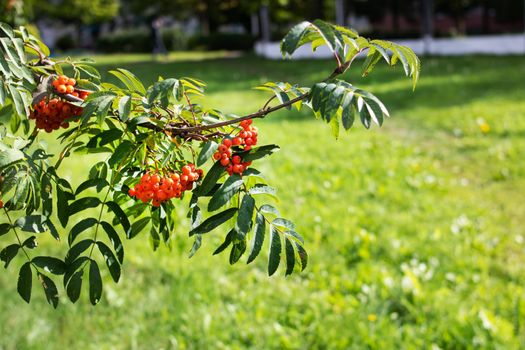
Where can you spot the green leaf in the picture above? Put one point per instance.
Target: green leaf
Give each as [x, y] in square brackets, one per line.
[332, 38]
[75, 251]
[32, 223]
[62, 206]
[30, 243]
[214, 221]
[207, 151]
[129, 80]
[196, 245]
[291, 41]
[25, 282]
[227, 241]
[80, 227]
[138, 226]
[229, 188]
[237, 251]
[211, 178]
[258, 237]
[9, 156]
[269, 209]
[98, 183]
[111, 261]
[302, 255]
[275, 251]
[124, 108]
[284, 223]
[4, 229]
[290, 257]
[105, 138]
[295, 235]
[121, 153]
[244, 218]
[8, 253]
[115, 240]
[95, 283]
[83, 204]
[260, 152]
[50, 289]
[121, 216]
[74, 286]
[50, 264]
[263, 189]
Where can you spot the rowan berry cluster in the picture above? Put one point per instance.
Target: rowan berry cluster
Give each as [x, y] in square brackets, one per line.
[243, 141]
[52, 114]
[157, 188]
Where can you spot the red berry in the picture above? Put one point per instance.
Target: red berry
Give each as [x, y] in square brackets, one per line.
[236, 159]
[225, 161]
[223, 148]
[227, 142]
[236, 141]
[186, 170]
[216, 156]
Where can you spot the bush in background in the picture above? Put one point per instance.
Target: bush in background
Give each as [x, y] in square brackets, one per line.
[222, 41]
[66, 43]
[139, 40]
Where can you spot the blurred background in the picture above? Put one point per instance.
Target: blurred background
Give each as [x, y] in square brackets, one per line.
[415, 230]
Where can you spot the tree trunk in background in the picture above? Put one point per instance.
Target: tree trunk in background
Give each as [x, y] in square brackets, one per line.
[395, 15]
[340, 12]
[254, 25]
[486, 17]
[265, 23]
[427, 26]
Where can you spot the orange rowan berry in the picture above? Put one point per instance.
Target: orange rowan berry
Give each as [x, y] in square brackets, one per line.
[61, 89]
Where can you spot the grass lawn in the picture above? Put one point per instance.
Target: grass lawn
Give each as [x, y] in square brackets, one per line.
[415, 231]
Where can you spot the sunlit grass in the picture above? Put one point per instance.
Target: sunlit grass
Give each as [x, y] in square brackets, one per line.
[415, 230]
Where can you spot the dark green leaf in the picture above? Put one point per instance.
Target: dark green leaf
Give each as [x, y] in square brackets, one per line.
[8, 253]
[258, 237]
[129, 80]
[50, 289]
[207, 151]
[275, 251]
[83, 204]
[227, 241]
[62, 207]
[80, 227]
[32, 223]
[30, 243]
[98, 183]
[260, 152]
[138, 226]
[214, 221]
[95, 283]
[302, 255]
[121, 153]
[111, 261]
[75, 251]
[244, 218]
[25, 282]
[229, 188]
[290, 257]
[4, 229]
[115, 240]
[121, 216]
[291, 40]
[50, 264]
[237, 251]
[214, 174]
[74, 286]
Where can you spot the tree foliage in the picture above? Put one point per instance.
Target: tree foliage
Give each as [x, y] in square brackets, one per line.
[147, 133]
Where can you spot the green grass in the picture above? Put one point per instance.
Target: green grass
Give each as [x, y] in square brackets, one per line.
[415, 230]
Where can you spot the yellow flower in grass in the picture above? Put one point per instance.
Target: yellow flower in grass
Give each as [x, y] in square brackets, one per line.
[372, 317]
